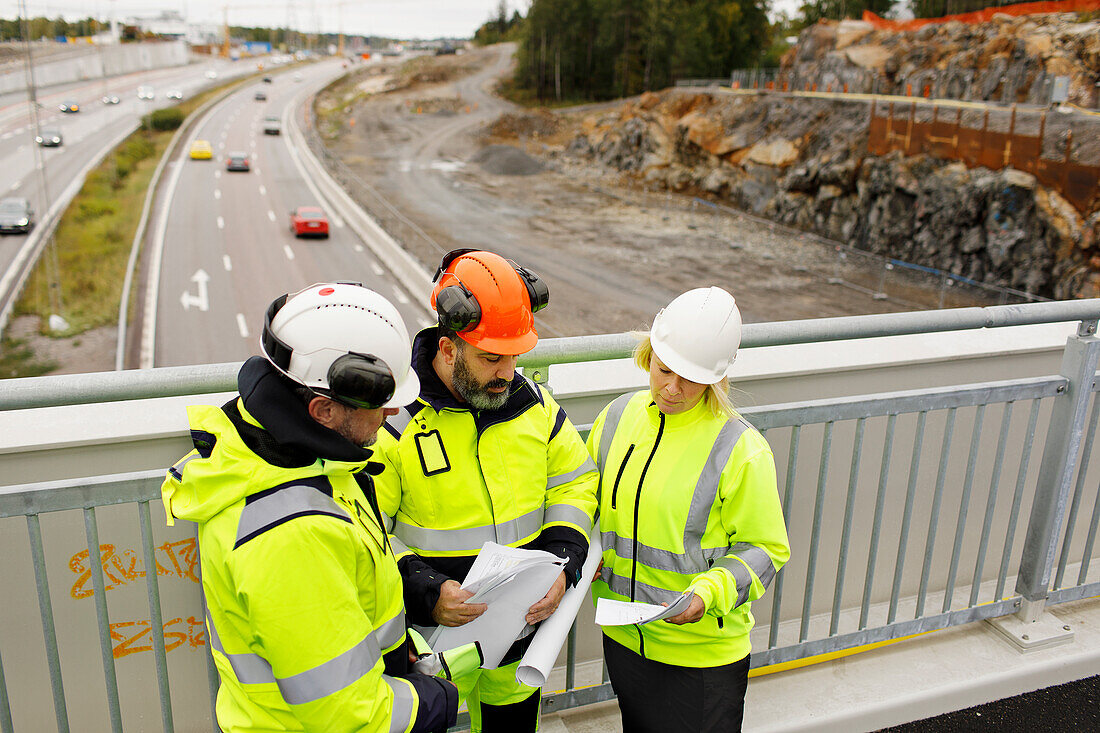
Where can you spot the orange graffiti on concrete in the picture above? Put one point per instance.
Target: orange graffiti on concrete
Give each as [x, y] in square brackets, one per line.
[173, 559]
[131, 637]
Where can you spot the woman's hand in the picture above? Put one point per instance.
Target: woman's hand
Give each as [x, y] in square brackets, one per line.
[693, 613]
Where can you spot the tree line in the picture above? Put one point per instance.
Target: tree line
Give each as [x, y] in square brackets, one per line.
[573, 50]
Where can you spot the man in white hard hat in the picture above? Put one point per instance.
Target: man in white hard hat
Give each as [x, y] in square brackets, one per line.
[304, 601]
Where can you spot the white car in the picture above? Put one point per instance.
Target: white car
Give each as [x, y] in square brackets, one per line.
[211, 74]
[174, 94]
[144, 92]
[110, 99]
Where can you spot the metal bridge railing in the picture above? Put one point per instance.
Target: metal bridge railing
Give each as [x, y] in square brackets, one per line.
[909, 511]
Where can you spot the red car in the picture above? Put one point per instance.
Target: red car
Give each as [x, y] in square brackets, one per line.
[309, 221]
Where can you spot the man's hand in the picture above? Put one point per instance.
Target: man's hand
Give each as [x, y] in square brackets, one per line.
[693, 613]
[451, 609]
[549, 603]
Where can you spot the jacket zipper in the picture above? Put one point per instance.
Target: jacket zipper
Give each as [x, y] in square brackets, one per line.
[634, 537]
[622, 467]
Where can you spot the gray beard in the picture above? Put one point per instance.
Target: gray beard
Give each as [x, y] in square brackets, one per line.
[476, 394]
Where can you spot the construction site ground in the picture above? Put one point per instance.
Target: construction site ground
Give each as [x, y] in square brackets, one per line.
[614, 251]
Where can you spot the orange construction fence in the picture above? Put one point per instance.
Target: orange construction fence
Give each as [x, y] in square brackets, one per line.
[986, 14]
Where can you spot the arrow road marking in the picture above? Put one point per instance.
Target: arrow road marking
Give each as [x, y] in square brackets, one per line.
[201, 300]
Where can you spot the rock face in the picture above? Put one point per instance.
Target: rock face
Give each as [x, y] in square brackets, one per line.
[804, 162]
[1006, 60]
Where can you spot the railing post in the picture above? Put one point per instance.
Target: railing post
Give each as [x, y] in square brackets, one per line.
[1031, 627]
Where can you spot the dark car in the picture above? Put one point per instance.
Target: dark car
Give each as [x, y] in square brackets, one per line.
[272, 125]
[49, 138]
[260, 97]
[16, 216]
[309, 221]
[69, 106]
[267, 80]
[237, 162]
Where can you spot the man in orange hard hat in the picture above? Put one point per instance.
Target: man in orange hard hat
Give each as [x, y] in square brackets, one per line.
[483, 455]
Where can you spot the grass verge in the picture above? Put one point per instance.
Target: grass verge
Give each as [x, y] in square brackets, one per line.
[17, 359]
[86, 262]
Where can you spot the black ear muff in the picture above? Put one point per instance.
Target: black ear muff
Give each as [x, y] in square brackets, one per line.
[457, 308]
[537, 291]
[361, 380]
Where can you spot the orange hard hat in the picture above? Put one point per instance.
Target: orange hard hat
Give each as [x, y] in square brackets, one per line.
[488, 300]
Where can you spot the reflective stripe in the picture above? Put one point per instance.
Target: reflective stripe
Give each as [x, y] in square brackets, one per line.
[396, 424]
[292, 500]
[610, 425]
[658, 559]
[644, 592]
[740, 574]
[403, 703]
[333, 675]
[470, 539]
[249, 669]
[706, 487]
[398, 546]
[177, 470]
[570, 514]
[391, 632]
[386, 520]
[588, 466]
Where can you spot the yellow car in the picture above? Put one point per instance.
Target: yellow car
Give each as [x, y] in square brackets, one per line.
[201, 150]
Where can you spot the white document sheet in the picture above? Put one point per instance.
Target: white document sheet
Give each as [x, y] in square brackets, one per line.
[510, 581]
[539, 659]
[610, 612]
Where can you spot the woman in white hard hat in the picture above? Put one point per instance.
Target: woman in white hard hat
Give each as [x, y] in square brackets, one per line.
[690, 515]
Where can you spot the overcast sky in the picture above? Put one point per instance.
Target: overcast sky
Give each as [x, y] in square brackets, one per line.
[389, 18]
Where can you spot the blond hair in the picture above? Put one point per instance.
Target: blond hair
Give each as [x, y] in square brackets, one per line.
[716, 397]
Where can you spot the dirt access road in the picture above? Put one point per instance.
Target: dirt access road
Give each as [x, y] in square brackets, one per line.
[612, 254]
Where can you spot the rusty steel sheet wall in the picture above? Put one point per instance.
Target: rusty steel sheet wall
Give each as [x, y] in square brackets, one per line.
[946, 136]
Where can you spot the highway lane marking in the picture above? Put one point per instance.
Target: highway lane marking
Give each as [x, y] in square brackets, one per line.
[263, 190]
[377, 270]
[7, 136]
[201, 299]
[242, 326]
[257, 171]
[218, 173]
[221, 223]
[358, 248]
[217, 193]
[289, 251]
[401, 297]
[271, 215]
[228, 263]
[424, 323]
[15, 185]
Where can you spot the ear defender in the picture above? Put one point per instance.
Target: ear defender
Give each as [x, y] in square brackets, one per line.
[537, 291]
[361, 380]
[457, 308]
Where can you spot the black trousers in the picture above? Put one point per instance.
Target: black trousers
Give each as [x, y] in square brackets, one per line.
[664, 697]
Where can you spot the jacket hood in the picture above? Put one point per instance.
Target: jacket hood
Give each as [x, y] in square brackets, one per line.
[236, 454]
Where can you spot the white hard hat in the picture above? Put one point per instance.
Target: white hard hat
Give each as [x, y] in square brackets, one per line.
[343, 340]
[697, 335]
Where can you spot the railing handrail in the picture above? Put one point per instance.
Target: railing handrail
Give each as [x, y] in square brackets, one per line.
[78, 389]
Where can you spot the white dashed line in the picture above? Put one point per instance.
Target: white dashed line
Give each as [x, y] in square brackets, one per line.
[358, 248]
[257, 170]
[289, 251]
[15, 185]
[401, 297]
[271, 215]
[217, 174]
[424, 323]
[7, 136]
[377, 270]
[228, 263]
[242, 326]
[263, 191]
[221, 223]
[217, 193]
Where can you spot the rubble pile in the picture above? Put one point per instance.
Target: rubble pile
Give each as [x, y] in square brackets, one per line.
[805, 161]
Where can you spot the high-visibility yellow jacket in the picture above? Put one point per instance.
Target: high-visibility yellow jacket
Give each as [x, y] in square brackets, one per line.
[303, 595]
[687, 501]
[457, 477]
